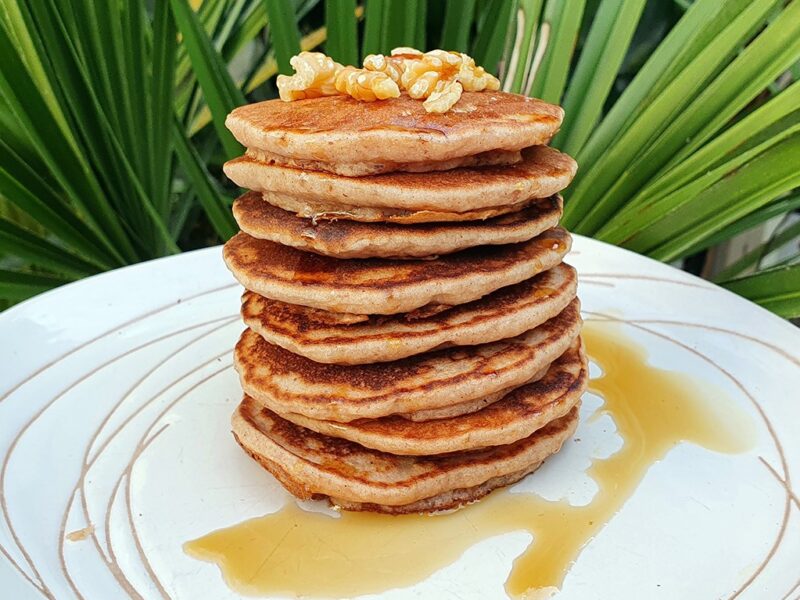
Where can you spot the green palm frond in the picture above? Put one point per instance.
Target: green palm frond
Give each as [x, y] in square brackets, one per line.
[684, 117]
[776, 289]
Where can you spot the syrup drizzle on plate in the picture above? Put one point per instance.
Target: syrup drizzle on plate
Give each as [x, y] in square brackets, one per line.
[294, 552]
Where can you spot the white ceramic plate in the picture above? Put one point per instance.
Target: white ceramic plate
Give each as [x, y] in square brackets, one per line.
[116, 391]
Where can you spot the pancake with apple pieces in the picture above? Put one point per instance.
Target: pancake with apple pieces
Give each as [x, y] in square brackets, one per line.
[288, 383]
[351, 239]
[387, 286]
[542, 172]
[353, 137]
[312, 465]
[322, 337]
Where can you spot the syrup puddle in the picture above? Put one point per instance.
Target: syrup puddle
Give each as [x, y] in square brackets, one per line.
[294, 552]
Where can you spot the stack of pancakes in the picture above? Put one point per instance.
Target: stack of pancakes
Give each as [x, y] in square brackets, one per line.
[412, 334]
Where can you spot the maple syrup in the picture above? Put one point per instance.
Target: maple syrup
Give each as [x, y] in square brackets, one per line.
[294, 552]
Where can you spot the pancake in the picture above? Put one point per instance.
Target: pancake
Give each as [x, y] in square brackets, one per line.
[289, 383]
[384, 286]
[325, 211]
[445, 501]
[542, 172]
[311, 465]
[516, 416]
[339, 129]
[471, 406]
[505, 313]
[350, 239]
[492, 157]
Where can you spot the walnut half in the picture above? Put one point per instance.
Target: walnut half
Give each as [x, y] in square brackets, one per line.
[366, 85]
[315, 76]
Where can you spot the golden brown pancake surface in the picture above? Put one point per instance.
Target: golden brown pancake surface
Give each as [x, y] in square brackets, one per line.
[312, 465]
[385, 286]
[341, 129]
[542, 172]
[289, 383]
[517, 415]
[320, 336]
[361, 169]
[351, 239]
[319, 211]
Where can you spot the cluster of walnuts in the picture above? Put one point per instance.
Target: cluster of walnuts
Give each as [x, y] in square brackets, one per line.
[439, 77]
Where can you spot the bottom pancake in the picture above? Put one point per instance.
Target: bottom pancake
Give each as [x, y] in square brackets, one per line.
[447, 501]
[311, 465]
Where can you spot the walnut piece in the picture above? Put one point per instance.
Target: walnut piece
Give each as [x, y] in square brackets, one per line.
[443, 97]
[366, 85]
[315, 76]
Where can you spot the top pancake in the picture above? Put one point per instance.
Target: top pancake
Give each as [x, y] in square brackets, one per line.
[542, 172]
[339, 129]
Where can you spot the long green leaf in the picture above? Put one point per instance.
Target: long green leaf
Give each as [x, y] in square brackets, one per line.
[283, 33]
[768, 121]
[763, 179]
[26, 189]
[373, 26]
[66, 165]
[524, 47]
[14, 23]
[207, 193]
[761, 215]
[421, 25]
[144, 225]
[629, 222]
[760, 63]
[342, 43]
[248, 28]
[757, 254]
[106, 188]
[608, 41]
[23, 244]
[777, 290]
[399, 24]
[221, 95]
[491, 40]
[774, 51]
[161, 104]
[17, 286]
[457, 24]
[562, 19]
